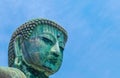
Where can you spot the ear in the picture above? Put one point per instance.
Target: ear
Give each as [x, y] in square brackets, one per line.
[17, 45]
[18, 50]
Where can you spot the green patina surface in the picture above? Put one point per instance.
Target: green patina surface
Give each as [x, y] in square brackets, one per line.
[9, 72]
[36, 48]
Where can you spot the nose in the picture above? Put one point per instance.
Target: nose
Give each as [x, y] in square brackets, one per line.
[55, 50]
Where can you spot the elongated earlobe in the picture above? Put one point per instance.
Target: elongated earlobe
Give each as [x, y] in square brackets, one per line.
[18, 51]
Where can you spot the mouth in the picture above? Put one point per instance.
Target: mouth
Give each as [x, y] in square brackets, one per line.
[53, 60]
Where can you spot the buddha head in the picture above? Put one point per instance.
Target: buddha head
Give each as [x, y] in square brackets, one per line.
[38, 43]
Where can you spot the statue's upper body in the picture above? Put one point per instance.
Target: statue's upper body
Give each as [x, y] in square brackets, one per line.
[36, 48]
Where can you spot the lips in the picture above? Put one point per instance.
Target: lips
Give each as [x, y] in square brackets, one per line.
[53, 60]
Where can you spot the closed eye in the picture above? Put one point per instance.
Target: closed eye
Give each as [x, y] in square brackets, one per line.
[46, 40]
[61, 49]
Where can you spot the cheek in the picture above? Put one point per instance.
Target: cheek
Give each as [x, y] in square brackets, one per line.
[36, 52]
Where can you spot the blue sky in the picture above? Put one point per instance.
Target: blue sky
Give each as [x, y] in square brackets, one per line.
[93, 47]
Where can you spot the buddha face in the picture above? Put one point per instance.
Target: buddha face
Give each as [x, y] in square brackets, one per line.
[44, 49]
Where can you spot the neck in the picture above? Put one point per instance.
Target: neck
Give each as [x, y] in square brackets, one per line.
[30, 72]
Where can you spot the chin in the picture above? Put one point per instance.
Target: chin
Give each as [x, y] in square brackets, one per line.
[50, 68]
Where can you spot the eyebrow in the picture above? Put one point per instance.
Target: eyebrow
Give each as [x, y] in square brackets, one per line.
[49, 36]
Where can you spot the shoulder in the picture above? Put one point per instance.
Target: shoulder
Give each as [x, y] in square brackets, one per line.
[9, 72]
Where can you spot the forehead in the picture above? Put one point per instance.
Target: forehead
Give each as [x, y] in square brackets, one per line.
[40, 29]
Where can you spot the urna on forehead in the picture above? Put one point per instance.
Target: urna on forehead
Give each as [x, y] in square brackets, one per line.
[42, 25]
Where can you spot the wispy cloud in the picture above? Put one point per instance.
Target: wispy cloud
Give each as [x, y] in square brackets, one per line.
[93, 28]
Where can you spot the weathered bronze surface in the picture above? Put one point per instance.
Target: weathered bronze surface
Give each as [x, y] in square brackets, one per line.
[36, 48]
[9, 72]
